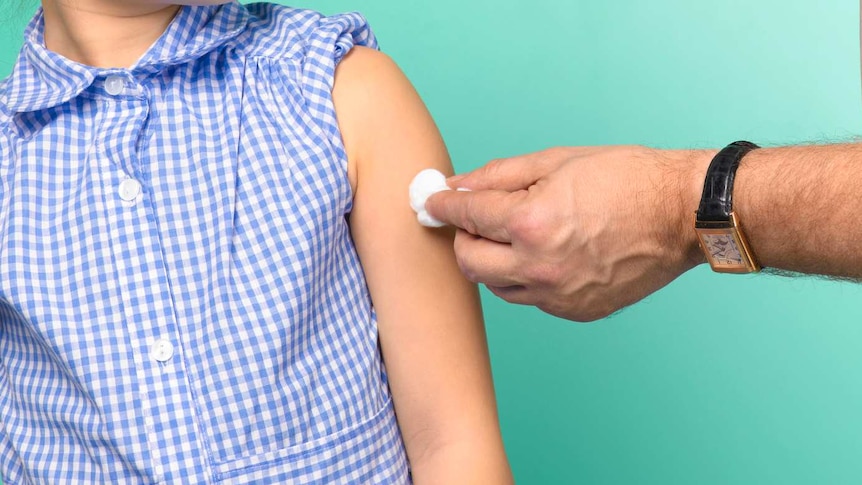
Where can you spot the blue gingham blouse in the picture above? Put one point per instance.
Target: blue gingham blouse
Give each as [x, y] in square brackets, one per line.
[180, 299]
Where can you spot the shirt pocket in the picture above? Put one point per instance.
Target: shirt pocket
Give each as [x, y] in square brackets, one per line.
[370, 452]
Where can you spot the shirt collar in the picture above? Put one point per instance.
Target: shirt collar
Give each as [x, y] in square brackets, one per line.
[42, 79]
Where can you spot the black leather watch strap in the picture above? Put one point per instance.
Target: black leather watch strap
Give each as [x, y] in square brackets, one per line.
[716, 202]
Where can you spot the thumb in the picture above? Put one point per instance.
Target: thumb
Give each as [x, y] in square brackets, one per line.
[482, 213]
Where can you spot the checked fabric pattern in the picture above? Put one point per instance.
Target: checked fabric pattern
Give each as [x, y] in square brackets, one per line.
[180, 299]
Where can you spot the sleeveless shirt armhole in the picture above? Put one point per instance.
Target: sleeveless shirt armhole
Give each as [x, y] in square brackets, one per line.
[327, 44]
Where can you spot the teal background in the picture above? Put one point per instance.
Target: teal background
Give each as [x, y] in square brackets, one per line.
[715, 379]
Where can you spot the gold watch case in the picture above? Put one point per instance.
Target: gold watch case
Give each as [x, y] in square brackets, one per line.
[726, 247]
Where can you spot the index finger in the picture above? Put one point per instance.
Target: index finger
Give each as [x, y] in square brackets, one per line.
[516, 173]
[483, 213]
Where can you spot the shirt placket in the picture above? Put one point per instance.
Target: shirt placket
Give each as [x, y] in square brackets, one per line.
[166, 401]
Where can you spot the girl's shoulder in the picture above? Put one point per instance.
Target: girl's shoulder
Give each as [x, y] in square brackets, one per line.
[282, 32]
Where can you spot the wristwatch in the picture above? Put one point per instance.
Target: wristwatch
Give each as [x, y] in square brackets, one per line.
[718, 228]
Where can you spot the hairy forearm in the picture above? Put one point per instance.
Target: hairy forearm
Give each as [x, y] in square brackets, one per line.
[581, 232]
[800, 207]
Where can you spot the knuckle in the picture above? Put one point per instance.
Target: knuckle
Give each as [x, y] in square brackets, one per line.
[545, 275]
[471, 276]
[466, 269]
[494, 167]
[472, 215]
[530, 223]
[463, 256]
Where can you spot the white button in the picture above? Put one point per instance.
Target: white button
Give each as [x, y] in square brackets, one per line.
[130, 189]
[163, 350]
[114, 85]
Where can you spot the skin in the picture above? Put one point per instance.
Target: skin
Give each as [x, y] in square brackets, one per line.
[583, 232]
[430, 324]
[108, 33]
[431, 328]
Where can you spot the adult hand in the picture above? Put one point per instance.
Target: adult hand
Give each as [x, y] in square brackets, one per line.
[577, 232]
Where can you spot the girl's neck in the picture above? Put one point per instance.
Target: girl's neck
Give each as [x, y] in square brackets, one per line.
[104, 33]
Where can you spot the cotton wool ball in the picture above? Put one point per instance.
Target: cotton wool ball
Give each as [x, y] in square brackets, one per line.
[426, 183]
